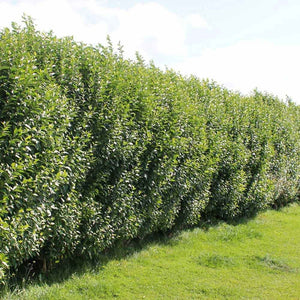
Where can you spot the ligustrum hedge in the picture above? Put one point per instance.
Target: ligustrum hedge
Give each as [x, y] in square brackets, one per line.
[97, 149]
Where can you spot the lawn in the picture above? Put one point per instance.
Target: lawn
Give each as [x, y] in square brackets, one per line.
[255, 259]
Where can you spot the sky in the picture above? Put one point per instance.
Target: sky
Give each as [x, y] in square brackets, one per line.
[241, 44]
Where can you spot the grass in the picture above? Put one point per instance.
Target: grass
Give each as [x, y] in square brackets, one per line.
[255, 259]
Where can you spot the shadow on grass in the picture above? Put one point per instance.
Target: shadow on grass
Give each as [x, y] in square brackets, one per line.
[62, 271]
[30, 273]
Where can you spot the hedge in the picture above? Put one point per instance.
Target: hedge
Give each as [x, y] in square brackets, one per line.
[97, 149]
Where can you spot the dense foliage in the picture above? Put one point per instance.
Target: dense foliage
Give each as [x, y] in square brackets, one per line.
[97, 149]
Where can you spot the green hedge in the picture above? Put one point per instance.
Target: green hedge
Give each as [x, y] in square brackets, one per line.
[97, 149]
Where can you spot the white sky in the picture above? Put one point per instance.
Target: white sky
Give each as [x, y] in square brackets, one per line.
[242, 44]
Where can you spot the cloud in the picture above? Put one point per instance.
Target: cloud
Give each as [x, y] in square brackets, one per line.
[196, 21]
[247, 65]
[148, 28]
[64, 17]
[151, 29]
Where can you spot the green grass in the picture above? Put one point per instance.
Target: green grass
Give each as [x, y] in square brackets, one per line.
[255, 259]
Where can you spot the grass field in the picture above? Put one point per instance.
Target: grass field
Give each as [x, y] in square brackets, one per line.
[255, 259]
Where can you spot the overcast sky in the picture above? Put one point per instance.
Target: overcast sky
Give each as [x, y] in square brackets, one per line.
[241, 44]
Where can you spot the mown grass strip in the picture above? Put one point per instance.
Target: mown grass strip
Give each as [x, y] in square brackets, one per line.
[255, 259]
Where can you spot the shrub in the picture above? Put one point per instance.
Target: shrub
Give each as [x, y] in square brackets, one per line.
[98, 149]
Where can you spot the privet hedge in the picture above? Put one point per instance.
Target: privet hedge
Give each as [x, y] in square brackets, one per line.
[96, 149]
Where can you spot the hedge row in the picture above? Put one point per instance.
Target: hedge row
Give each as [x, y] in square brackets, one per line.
[96, 148]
